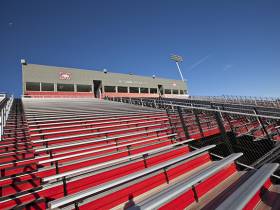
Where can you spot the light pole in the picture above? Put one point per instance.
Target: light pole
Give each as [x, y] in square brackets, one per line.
[177, 59]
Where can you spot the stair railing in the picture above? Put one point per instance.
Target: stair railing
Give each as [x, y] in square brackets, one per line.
[5, 107]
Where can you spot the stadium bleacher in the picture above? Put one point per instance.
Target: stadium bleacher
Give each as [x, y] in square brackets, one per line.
[123, 153]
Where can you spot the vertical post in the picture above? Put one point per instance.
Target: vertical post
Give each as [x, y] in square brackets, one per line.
[170, 122]
[262, 124]
[64, 186]
[222, 129]
[76, 206]
[180, 71]
[183, 122]
[198, 123]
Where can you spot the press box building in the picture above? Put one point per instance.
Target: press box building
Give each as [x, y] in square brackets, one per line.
[41, 80]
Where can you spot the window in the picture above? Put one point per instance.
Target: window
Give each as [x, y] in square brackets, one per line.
[122, 89]
[33, 86]
[167, 91]
[153, 90]
[175, 92]
[181, 92]
[47, 86]
[65, 87]
[133, 89]
[110, 89]
[144, 90]
[84, 88]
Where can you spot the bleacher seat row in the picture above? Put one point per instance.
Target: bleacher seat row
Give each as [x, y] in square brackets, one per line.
[97, 154]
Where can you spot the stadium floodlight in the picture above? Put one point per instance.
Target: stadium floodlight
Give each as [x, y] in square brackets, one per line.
[23, 62]
[177, 59]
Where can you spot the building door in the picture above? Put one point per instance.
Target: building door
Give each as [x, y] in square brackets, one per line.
[160, 89]
[97, 88]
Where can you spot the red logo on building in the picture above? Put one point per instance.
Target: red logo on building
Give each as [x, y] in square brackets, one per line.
[64, 75]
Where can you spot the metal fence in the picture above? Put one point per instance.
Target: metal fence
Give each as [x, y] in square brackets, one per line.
[253, 130]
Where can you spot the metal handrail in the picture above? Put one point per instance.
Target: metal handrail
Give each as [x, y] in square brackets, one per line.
[5, 107]
[172, 104]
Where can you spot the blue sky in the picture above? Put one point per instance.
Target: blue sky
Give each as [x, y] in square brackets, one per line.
[229, 47]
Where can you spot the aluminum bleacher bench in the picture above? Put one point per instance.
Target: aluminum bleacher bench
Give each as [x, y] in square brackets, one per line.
[90, 123]
[96, 115]
[116, 161]
[244, 193]
[74, 198]
[65, 157]
[86, 119]
[94, 128]
[96, 133]
[84, 142]
[90, 141]
[175, 190]
[95, 151]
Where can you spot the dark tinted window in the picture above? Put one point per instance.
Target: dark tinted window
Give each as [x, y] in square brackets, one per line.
[133, 89]
[47, 86]
[122, 89]
[167, 91]
[110, 89]
[153, 90]
[65, 87]
[175, 91]
[84, 88]
[144, 90]
[33, 86]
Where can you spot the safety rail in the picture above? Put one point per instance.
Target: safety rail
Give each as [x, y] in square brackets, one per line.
[253, 127]
[75, 198]
[238, 108]
[257, 101]
[173, 191]
[240, 197]
[5, 107]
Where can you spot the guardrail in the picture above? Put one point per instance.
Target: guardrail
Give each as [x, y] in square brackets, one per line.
[268, 101]
[253, 129]
[5, 106]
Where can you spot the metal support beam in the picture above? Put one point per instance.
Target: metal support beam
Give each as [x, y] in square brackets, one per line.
[179, 109]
